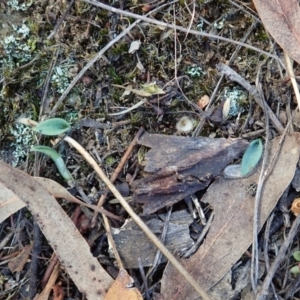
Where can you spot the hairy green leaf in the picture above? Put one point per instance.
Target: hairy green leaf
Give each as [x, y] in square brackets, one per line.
[53, 126]
[56, 157]
[251, 157]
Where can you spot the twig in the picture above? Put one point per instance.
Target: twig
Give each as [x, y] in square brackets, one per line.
[292, 77]
[137, 219]
[252, 91]
[194, 248]
[94, 59]
[118, 170]
[257, 204]
[158, 255]
[172, 26]
[266, 246]
[192, 20]
[60, 20]
[175, 69]
[280, 256]
[147, 296]
[112, 243]
[44, 102]
[36, 250]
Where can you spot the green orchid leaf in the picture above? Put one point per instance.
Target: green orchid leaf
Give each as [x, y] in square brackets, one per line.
[53, 126]
[56, 157]
[295, 270]
[296, 255]
[251, 157]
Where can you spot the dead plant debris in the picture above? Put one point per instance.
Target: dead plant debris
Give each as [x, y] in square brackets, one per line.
[163, 102]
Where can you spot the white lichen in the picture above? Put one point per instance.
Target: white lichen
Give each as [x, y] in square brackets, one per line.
[16, 47]
[61, 78]
[236, 101]
[16, 5]
[23, 140]
[195, 71]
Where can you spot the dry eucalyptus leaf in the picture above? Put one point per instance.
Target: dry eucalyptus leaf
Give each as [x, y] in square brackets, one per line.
[70, 247]
[122, 288]
[282, 19]
[18, 262]
[231, 231]
[9, 203]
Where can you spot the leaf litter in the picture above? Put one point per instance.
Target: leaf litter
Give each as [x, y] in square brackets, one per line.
[231, 231]
[158, 61]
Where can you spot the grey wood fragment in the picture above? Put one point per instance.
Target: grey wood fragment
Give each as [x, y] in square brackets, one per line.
[132, 243]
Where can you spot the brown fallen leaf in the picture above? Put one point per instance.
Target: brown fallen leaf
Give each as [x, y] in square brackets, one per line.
[70, 247]
[11, 203]
[203, 101]
[122, 288]
[231, 231]
[182, 166]
[18, 262]
[282, 19]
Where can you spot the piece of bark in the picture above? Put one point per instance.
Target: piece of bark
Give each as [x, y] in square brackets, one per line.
[183, 165]
[166, 188]
[132, 243]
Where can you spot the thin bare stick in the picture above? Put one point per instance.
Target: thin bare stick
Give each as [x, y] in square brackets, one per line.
[280, 256]
[137, 219]
[201, 237]
[45, 102]
[60, 20]
[192, 20]
[257, 204]
[94, 59]
[112, 243]
[172, 26]
[118, 170]
[292, 77]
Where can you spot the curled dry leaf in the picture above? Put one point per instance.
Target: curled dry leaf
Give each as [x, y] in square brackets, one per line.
[296, 207]
[282, 19]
